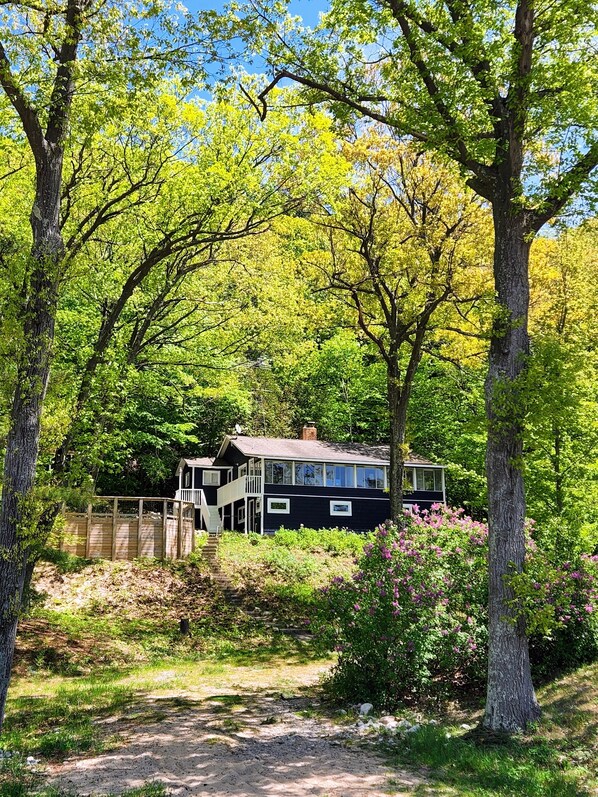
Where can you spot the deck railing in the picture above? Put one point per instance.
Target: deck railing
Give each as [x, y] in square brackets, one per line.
[238, 489]
[191, 495]
[127, 527]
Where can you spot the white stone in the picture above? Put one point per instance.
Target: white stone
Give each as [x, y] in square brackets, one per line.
[403, 725]
[365, 708]
[388, 722]
[413, 729]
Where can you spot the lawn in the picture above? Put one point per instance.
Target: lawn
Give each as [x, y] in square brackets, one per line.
[103, 638]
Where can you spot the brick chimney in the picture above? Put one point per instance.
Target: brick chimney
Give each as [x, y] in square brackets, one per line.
[309, 431]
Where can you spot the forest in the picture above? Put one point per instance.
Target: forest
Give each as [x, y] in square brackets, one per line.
[219, 217]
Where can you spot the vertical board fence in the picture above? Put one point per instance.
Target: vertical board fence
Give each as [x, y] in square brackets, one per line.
[125, 527]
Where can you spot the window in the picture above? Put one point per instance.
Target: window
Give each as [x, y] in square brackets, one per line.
[408, 480]
[187, 479]
[309, 473]
[258, 505]
[429, 479]
[341, 508]
[372, 478]
[211, 478]
[340, 476]
[278, 472]
[241, 514]
[242, 470]
[279, 506]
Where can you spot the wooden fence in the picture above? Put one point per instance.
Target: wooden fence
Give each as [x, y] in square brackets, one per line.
[124, 527]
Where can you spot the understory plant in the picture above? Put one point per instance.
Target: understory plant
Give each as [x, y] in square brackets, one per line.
[412, 620]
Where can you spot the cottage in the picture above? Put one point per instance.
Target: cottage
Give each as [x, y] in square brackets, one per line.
[262, 483]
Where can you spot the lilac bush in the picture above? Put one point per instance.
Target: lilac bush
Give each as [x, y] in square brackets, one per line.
[412, 621]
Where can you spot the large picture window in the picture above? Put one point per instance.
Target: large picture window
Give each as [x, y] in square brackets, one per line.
[370, 477]
[340, 476]
[278, 472]
[309, 473]
[429, 479]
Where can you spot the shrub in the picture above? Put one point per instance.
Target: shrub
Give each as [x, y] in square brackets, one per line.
[412, 620]
[334, 541]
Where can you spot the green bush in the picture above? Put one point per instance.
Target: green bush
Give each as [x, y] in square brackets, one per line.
[412, 620]
[334, 541]
[66, 562]
[287, 566]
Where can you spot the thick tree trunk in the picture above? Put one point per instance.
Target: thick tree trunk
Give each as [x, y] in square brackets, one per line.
[511, 701]
[17, 516]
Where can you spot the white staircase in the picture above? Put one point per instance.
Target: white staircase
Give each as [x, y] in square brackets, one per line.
[211, 518]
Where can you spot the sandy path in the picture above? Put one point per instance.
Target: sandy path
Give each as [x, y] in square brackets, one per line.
[246, 745]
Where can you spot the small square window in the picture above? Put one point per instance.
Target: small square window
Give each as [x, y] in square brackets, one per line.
[279, 506]
[342, 508]
[211, 478]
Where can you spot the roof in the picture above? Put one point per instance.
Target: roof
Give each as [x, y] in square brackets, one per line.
[203, 462]
[314, 450]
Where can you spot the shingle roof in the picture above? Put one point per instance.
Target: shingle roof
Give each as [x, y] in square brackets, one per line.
[315, 450]
[206, 462]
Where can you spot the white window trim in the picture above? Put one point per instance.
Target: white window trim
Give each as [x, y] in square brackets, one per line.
[258, 505]
[341, 513]
[286, 501]
[241, 514]
[209, 483]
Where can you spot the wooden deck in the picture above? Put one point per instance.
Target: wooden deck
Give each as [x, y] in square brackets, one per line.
[126, 528]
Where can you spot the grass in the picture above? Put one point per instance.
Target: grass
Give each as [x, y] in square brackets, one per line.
[102, 653]
[558, 758]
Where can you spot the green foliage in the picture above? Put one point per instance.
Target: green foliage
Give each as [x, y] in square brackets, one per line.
[66, 562]
[412, 622]
[335, 541]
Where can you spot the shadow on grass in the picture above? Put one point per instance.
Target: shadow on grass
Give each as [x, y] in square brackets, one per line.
[527, 767]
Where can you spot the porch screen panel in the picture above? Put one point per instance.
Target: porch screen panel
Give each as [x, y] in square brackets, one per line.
[340, 476]
[370, 477]
[309, 474]
[278, 472]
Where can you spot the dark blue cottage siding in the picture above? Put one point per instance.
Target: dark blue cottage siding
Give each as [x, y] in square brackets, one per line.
[310, 506]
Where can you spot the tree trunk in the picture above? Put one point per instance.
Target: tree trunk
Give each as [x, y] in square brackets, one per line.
[17, 516]
[511, 701]
[397, 442]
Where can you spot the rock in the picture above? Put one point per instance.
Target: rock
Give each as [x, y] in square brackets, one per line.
[388, 722]
[31, 761]
[413, 729]
[403, 725]
[466, 727]
[365, 708]
[433, 722]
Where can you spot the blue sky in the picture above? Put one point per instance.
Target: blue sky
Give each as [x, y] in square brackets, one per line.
[308, 9]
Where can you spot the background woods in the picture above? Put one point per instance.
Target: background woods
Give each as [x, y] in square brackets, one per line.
[357, 238]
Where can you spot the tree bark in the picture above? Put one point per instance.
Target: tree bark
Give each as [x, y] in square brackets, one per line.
[397, 442]
[17, 516]
[511, 702]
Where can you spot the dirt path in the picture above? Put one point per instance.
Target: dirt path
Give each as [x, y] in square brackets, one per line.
[239, 742]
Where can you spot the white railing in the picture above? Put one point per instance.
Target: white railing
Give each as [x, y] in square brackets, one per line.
[195, 497]
[239, 488]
